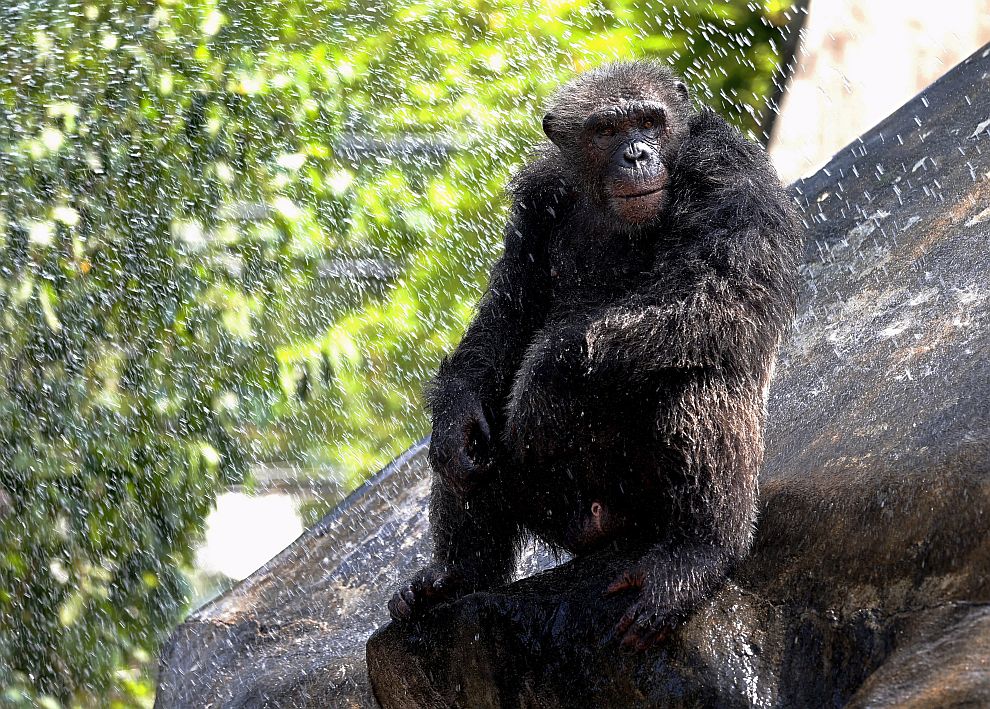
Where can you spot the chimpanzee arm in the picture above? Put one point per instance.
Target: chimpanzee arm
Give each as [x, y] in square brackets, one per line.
[714, 315]
[728, 287]
[468, 395]
[510, 311]
[474, 530]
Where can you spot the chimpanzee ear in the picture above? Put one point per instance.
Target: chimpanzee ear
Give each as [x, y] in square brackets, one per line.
[682, 89]
[551, 128]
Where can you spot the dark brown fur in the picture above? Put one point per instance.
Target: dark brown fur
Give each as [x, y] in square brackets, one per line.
[618, 356]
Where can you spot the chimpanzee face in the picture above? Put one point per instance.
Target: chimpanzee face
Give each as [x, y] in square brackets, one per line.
[619, 147]
[627, 143]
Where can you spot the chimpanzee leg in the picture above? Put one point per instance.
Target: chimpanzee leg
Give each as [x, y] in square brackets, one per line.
[474, 547]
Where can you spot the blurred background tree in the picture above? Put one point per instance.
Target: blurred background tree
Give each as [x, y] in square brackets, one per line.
[237, 233]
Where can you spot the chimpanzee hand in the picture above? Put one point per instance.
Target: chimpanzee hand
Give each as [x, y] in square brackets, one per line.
[460, 449]
[649, 619]
[428, 588]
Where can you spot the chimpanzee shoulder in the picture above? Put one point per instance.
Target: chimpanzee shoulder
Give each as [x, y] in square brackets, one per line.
[540, 193]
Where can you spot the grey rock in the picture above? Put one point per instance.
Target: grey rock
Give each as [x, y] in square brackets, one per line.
[869, 581]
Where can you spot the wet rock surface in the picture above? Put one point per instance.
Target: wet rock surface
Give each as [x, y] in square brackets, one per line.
[293, 634]
[869, 583]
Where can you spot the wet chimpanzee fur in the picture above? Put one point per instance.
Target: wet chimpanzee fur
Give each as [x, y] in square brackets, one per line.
[621, 353]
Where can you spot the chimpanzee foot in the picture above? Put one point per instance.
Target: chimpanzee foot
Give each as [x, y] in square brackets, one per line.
[646, 622]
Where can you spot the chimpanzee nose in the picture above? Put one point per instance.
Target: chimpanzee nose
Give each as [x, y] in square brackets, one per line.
[636, 152]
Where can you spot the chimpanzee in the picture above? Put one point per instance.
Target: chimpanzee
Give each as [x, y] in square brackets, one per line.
[621, 354]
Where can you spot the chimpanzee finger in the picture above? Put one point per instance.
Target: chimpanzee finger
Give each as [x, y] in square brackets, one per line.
[626, 621]
[643, 635]
[398, 608]
[636, 641]
[630, 580]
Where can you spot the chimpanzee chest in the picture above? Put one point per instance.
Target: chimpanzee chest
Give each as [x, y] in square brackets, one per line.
[596, 268]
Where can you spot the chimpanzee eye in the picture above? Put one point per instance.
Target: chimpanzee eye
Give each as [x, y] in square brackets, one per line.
[648, 123]
[603, 136]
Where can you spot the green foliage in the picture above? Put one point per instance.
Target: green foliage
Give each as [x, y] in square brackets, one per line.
[179, 181]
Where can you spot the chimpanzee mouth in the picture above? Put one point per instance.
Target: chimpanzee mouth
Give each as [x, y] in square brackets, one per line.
[637, 195]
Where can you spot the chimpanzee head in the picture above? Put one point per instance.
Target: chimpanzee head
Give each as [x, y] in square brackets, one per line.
[618, 129]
